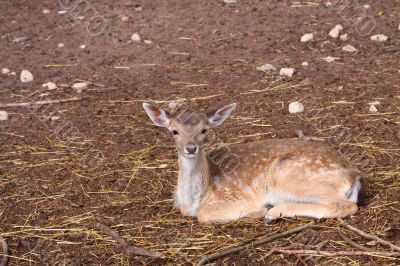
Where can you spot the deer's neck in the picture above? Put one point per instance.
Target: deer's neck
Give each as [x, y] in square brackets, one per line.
[192, 183]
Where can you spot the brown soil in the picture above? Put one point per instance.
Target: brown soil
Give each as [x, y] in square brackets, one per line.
[100, 161]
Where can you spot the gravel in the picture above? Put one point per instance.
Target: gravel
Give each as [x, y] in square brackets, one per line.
[296, 107]
[50, 86]
[307, 37]
[26, 76]
[379, 38]
[80, 87]
[330, 59]
[349, 48]
[3, 115]
[287, 72]
[136, 37]
[266, 68]
[5, 71]
[334, 33]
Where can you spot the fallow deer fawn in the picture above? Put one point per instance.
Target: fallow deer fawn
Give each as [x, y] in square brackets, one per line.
[297, 177]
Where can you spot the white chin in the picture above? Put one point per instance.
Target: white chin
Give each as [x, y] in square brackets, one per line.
[190, 156]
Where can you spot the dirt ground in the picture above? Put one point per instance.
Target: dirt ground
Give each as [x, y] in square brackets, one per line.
[65, 166]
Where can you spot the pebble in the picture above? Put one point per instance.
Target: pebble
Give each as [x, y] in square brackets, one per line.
[373, 109]
[287, 72]
[3, 115]
[296, 107]
[148, 41]
[80, 87]
[125, 18]
[5, 71]
[349, 48]
[379, 38]
[139, 8]
[330, 59]
[55, 118]
[60, 45]
[304, 64]
[62, 12]
[334, 33]
[344, 37]
[163, 165]
[13, 73]
[26, 76]
[136, 37]
[20, 39]
[367, 6]
[82, 46]
[329, 4]
[230, 1]
[266, 68]
[307, 37]
[46, 11]
[50, 86]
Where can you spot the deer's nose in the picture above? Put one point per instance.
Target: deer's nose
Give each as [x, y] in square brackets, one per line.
[191, 148]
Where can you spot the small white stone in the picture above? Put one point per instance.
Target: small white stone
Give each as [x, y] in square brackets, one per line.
[163, 165]
[5, 71]
[26, 76]
[124, 18]
[379, 38]
[80, 87]
[296, 107]
[329, 4]
[230, 1]
[349, 48]
[307, 37]
[148, 41]
[372, 109]
[287, 72]
[367, 6]
[136, 37]
[13, 73]
[139, 8]
[60, 45]
[343, 37]
[62, 12]
[50, 86]
[304, 64]
[334, 33]
[82, 46]
[330, 59]
[55, 118]
[266, 68]
[46, 11]
[3, 115]
[174, 104]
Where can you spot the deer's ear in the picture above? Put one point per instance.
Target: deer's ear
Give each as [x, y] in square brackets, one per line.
[157, 115]
[218, 117]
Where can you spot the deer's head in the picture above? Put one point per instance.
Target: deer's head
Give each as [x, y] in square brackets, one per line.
[189, 128]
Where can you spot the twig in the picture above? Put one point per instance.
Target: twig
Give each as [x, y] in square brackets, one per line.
[215, 256]
[39, 102]
[6, 251]
[127, 249]
[337, 253]
[368, 236]
[301, 135]
[352, 243]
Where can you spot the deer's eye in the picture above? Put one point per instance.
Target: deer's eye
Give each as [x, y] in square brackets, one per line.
[175, 132]
[204, 131]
